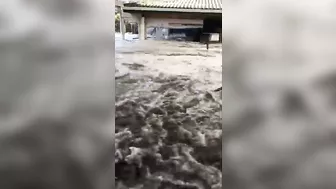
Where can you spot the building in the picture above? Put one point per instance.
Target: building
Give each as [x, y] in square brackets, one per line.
[205, 15]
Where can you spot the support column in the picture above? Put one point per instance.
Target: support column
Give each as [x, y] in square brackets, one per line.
[122, 23]
[143, 32]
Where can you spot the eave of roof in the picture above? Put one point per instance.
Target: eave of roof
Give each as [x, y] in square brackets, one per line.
[176, 5]
[171, 10]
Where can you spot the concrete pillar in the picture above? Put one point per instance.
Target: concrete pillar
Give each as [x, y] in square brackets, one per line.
[122, 23]
[143, 32]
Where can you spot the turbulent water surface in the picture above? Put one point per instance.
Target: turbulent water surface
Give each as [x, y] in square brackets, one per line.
[168, 120]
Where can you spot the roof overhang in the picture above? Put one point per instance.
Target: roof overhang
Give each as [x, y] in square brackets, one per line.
[119, 4]
[152, 9]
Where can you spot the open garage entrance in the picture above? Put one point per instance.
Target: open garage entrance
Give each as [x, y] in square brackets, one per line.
[179, 23]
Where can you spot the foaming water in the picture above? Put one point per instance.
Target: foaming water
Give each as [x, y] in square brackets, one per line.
[173, 127]
[168, 118]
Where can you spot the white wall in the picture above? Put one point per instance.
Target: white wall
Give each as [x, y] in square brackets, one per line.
[173, 23]
[134, 17]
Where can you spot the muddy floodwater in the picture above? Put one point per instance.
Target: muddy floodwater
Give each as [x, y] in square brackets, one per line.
[168, 119]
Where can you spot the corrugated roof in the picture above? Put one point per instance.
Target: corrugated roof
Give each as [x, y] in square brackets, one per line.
[179, 4]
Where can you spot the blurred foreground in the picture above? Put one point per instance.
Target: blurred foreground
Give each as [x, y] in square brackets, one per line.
[56, 94]
[278, 94]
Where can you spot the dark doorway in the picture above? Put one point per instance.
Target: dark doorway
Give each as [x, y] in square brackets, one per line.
[188, 34]
[213, 24]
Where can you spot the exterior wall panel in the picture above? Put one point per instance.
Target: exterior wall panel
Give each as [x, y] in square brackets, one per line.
[174, 23]
[132, 17]
[175, 15]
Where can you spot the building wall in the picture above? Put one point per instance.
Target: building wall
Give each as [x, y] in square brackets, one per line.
[166, 16]
[132, 17]
[174, 23]
[172, 20]
[174, 15]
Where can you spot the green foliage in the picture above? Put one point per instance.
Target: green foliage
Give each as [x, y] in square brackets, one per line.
[117, 22]
[117, 17]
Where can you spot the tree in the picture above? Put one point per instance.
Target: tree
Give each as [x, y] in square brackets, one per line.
[117, 22]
